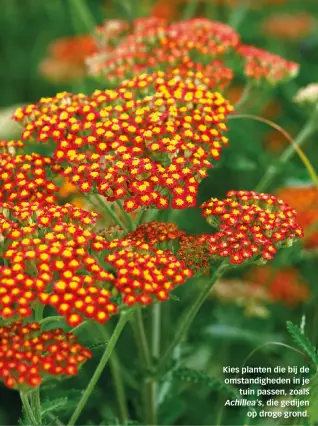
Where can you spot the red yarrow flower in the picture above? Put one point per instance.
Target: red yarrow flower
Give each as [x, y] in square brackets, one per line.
[168, 137]
[155, 44]
[28, 356]
[25, 177]
[250, 226]
[263, 65]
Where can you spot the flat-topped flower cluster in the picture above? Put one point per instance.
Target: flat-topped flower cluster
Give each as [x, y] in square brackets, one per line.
[197, 45]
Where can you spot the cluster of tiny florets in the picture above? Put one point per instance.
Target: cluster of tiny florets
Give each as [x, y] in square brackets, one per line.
[25, 219]
[25, 177]
[249, 225]
[29, 356]
[154, 44]
[263, 65]
[190, 249]
[59, 271]
[195, 44]
[17, 292]
[165, 144]
[140, 277]
[156, 232]
[59, 264]
[143, 272]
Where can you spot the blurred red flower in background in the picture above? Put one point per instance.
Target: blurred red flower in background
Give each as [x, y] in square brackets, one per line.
[289, 27]
[284, 285]
[305, 201]
[66, 58]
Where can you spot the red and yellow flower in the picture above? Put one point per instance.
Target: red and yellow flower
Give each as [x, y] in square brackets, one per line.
[250, 226]
[28, 356]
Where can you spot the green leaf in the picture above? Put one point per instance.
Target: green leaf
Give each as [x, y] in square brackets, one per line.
[303, 342]
[57, 405]
[190, 375]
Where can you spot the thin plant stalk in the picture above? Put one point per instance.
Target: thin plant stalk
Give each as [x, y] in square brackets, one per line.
[295, 146]
[156, 330]
[35, 395]
[114, 365]
[85, 20]
[245, 96]
[110, 212]
[190, 9]
[100, 368]
[36, 404]
[155, 351]
[149, 403]
[190, 314]
[273, 170]
[127, 217]
[239, 14]
[47, 320]
[28, 409]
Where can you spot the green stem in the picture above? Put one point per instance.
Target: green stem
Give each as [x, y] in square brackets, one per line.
[118, 383]
[244, 97]
[140, 217]
[110, 212]
[140, 331]
[145, 357]
[35, 395]
[90, 200]
[239, 14]
[272, 171]
[155, 351]
[36, 404]
[51, 319]
[190, 9]
[156, 323]
[100, 368]
[190, 314]
[28, 409]
[79, 327]
[126, 215]
[85, 20]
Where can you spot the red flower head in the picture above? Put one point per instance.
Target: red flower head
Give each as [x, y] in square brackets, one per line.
[190, 249]
[156, 233]
[29, 356]
[166, 140]
[57, 270]
[25, 177]
[142, 276]
[260, 64]
[251, 226]
[143, 271]
[48, 261]
[154, 44]
[25, 218]
[17, 292]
